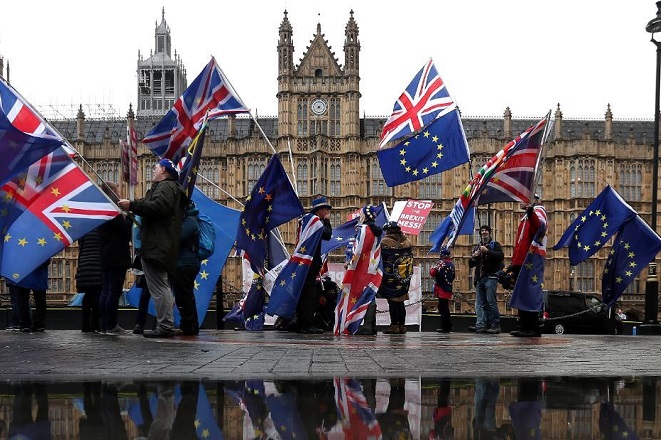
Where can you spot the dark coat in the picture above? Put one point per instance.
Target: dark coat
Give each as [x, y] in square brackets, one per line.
[488, 264]
[190, 233]
[161, 210]
[88, 272]
[115, 239]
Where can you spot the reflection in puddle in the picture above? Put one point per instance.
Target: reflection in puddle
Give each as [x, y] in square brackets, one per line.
[339, 408]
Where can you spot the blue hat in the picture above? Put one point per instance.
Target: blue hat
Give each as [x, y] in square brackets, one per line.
[445, 251]
[169, 166]
[320, 202]
[369, 212]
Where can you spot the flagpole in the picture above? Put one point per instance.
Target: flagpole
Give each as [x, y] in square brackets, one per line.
[293, 170]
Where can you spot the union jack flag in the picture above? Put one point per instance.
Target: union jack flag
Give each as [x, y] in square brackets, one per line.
[425, 99]
[361, 281]
[358, 419]
[509, 190]
[24, 136]
[514, 179]
[289, 283]
[209, 92]
[47, 207]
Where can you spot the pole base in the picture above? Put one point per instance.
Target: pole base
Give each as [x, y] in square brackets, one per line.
[649, 329]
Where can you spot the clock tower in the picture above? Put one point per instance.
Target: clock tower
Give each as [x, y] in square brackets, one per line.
[318, 96]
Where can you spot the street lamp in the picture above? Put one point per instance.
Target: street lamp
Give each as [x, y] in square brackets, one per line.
[651, 324]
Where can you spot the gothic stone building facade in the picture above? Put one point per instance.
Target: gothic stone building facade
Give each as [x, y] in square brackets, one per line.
[333, 153]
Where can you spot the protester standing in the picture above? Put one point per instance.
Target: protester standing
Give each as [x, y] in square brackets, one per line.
[487, 259]
[188, 266]
[161, 212]
[115, 239]
[531, 224]
[397, 259]
[309, 299]
[443, 274]
[89, 279]
[362, 277]
[37, 283]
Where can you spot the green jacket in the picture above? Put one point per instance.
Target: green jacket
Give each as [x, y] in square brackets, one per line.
[161, 211]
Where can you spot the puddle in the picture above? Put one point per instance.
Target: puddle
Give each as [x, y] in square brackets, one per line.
[334, 408]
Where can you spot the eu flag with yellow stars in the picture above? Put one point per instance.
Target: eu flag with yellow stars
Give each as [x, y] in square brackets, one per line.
[271, 203]
[288, 285]
[596, 224]
[439, 146]
[636, 244]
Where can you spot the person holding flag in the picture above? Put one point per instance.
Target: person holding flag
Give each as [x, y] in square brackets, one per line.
[309, 299]
[162, 211]
[487, 259]
[363, 276]
[532, 228]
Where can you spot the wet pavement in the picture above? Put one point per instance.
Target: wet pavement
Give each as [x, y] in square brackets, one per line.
[69, 355]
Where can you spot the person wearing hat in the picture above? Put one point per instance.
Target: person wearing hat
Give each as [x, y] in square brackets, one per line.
[309, 299]
[397, 259]
[487, 259]
[161, 211]
[443, 274]
[531, 223]
[362, 279]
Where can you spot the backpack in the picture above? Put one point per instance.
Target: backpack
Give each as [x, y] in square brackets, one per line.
[206, 243]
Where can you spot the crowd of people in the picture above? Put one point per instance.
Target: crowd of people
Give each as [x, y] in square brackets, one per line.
[167, 270]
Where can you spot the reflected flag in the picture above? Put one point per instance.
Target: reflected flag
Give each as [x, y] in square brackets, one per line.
[596, 224]
[635, 246]
[438, 147]
[45, 209]
[205, 419]
[423, 100]
[286, 416]
[209, 92]
[24, 136]
[612, 425]
[528, 292]
[358, 419]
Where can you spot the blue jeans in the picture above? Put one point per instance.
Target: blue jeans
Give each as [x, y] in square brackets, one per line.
[113, 283]
[486, 305]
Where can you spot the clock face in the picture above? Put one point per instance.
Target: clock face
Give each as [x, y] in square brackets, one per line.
[318, 107]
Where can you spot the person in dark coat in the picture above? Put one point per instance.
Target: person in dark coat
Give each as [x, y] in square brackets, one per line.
[115, 238]
[487, 259]
[188, 266]
[89, 279]
[309, 300]
[161, 211]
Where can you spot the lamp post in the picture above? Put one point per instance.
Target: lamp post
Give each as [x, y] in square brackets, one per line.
[651, 324]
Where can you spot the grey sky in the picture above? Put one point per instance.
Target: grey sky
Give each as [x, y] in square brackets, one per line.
[528, 55]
